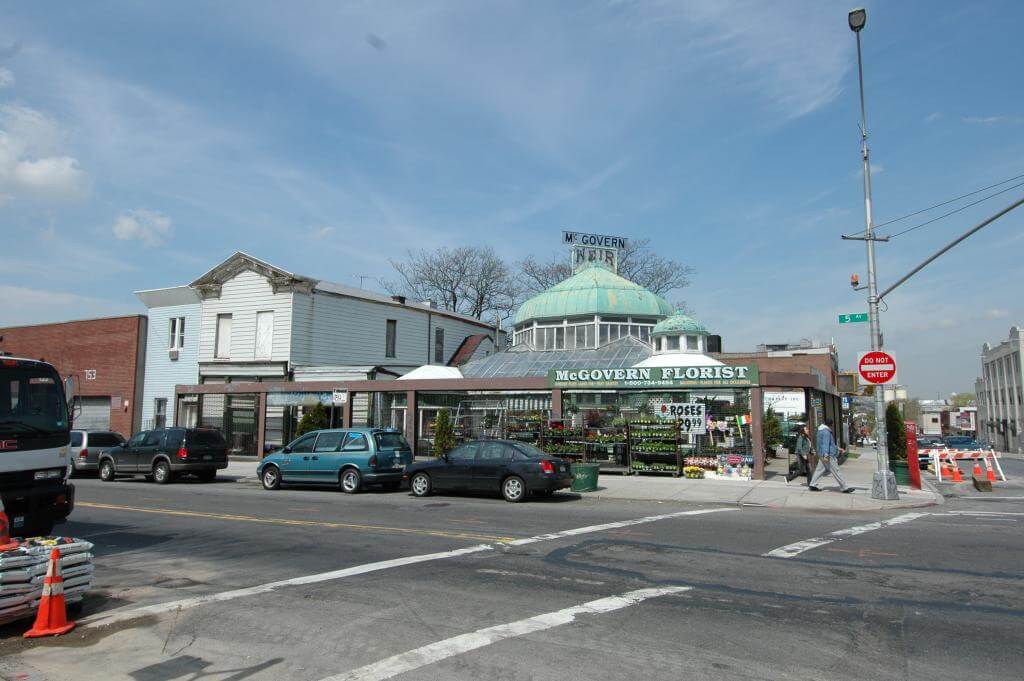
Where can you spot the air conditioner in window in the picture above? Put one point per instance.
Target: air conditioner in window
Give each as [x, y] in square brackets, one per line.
[173, 354]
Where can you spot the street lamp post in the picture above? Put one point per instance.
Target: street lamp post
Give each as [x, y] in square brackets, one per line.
[883, 485]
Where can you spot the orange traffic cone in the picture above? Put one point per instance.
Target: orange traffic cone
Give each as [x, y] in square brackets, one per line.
[957, 475]
[51, 620]
[6, 543]
[946, 472]
[990, 472]
[977, 470]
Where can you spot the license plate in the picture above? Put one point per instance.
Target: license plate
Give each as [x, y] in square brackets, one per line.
[564, 468]
[18, 521]
[207, 457]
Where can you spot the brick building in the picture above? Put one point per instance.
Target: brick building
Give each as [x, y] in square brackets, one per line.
[106, 356]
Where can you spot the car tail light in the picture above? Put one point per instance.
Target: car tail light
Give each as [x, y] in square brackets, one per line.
[547, 467]
[84, 453]
[373, 461]
[182, 453]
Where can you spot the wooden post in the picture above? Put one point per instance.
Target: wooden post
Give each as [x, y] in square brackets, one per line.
[346, 412]
[756, 434]
[556, 404]
[261, 423]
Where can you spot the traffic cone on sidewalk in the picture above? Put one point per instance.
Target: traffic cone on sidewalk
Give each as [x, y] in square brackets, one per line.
[52, 619]
[6, 543]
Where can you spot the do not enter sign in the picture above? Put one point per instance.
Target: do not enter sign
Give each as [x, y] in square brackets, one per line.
[877, 367]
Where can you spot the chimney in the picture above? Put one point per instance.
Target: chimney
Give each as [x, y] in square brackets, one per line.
[399, 299]
[430, 304]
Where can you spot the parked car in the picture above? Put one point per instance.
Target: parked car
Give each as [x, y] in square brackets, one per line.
[515, 469]
[163, 454]
[86, 446]
[347, 457]
[961, 442]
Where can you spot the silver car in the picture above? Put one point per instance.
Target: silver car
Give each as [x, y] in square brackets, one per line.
[86, 446]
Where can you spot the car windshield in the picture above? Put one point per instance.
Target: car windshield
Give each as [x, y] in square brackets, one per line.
[31, 402]
[390, 441]
[528, 450]
[105, 439]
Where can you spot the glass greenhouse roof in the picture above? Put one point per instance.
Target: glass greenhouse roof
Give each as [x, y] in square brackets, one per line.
[517, 363]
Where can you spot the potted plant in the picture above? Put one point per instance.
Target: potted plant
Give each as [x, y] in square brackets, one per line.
[896, 441]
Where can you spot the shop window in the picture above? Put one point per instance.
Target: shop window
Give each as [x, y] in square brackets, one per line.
[439, 346]
[390, 333]
[222, 346]
[176, 339]
[673, 342]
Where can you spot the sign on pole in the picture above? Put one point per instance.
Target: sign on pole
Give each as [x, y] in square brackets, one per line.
[691, 415]
[876, 367]
[339, 397]
[853, 318]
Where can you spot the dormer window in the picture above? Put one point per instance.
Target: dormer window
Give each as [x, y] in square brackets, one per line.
[692, 343]
[673, 342]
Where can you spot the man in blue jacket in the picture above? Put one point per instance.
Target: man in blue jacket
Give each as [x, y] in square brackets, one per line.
[828, 459]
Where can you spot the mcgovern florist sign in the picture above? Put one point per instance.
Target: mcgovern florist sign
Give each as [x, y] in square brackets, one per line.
[656, 377]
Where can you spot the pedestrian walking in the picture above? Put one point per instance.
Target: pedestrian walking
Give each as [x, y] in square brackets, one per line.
[828, 459]
[802, 450]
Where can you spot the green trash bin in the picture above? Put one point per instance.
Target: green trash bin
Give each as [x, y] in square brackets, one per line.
[584, 477]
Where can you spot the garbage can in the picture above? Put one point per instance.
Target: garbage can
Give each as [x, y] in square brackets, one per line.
[584, 477]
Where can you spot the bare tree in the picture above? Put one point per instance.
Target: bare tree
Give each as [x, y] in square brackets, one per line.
[637, 262]
[469, 280]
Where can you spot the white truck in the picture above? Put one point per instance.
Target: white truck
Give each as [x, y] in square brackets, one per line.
[35, 432]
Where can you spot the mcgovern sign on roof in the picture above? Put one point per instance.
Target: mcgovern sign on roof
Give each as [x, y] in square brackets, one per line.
[656, 377]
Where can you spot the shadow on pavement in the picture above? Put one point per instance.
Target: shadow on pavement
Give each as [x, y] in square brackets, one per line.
[190, 667]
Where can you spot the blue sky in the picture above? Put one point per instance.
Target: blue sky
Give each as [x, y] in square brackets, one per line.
[141, 144]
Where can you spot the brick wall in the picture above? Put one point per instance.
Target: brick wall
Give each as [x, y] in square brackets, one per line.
[106, 357]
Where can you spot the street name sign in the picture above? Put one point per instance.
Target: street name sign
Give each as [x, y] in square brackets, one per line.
[876, 367]
[853, 318]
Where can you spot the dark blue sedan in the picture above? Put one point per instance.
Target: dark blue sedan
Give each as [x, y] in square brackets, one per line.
[514, 469]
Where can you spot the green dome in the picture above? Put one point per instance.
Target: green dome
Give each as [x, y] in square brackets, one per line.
[593, 290]
[679, 323]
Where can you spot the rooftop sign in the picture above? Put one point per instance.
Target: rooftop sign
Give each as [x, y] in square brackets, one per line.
[656, 377]
[594, 240]
[593, 248]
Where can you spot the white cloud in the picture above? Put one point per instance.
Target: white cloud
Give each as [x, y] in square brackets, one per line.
[992, 120]
[933, 116]
[33, 161]
[996, 313]
[317, 233]
[6, 77]
[26, 305]
[147, 226]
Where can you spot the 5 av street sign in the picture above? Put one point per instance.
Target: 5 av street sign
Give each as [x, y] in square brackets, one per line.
[876, 367]
[853, 318]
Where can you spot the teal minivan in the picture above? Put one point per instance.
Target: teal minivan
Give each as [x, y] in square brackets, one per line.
[347, 457]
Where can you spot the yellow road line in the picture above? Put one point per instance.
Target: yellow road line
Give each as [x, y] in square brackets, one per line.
[303, 523]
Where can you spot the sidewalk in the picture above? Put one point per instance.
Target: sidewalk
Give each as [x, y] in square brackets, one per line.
[773, 493]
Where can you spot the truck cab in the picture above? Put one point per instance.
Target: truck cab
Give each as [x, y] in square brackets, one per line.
[35, 433]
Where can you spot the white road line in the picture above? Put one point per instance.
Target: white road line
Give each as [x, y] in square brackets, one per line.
[799, 547]
[130, 613]
[612, 526]
[122, 615]
[441, 650]
[981, 513]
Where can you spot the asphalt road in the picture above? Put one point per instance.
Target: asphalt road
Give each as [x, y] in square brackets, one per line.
[930, 594]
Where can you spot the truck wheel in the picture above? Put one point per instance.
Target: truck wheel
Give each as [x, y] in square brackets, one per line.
[161, 473]
[107, 470]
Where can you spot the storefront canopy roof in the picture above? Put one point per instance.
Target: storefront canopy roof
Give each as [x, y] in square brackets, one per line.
[593, 290]
[620, 354]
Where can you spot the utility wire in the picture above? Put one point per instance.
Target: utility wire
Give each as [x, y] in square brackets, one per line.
[957, 210]
[940, 205]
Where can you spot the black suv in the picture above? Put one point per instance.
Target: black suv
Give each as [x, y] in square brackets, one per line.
[163, 453]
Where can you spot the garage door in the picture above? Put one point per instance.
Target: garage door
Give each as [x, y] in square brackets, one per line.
[95, 414]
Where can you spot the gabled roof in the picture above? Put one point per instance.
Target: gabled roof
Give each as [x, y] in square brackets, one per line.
[210, 283]
[466, 349]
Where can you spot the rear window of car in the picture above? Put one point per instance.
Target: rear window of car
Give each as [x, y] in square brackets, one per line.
[528, 450]
[76, 439]
[104, 439]
[175, 439]
[391, 441]
[205, 438]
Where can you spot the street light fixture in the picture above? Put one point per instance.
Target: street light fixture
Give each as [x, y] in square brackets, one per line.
[883, 485]
[858, 17]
